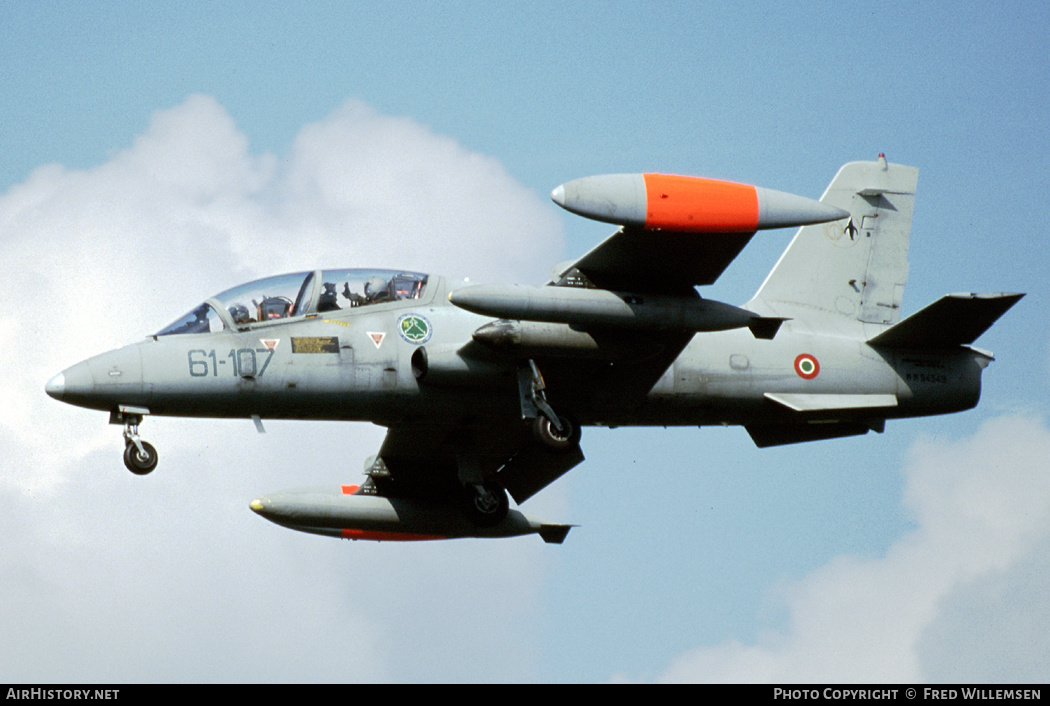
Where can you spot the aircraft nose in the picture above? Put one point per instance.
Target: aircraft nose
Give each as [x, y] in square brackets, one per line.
[56, 386]
[72, 384]
[101, 382]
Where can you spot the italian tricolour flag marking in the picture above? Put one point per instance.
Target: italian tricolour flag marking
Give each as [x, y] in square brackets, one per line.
[807, 366]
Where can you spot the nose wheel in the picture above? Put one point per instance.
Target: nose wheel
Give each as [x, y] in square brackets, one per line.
[139, 456]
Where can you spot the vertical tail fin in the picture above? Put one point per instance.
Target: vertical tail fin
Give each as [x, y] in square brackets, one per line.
[854, 268]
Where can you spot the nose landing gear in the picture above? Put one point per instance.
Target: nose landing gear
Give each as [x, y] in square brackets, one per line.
[139, 456]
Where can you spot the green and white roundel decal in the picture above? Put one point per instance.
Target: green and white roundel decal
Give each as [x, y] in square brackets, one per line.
[414, 328]
[807, 366]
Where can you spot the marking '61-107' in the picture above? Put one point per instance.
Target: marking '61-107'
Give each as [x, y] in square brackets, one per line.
[240, 361]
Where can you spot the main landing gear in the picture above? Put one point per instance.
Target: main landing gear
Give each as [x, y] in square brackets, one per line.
[482, 501]
[139, 456]
[556, 433]
[484, 504]
[554, 437]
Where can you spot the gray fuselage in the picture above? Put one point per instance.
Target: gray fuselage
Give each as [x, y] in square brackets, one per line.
[356, 365]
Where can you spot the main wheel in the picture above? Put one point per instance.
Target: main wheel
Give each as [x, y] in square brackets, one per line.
[137, 463]
[485, 509]
[547, 434]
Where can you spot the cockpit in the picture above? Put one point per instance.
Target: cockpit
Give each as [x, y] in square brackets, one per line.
[298, 294]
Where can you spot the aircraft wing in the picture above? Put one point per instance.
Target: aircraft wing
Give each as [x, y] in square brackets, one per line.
[677, 231]
[430, 459]
[665, 262]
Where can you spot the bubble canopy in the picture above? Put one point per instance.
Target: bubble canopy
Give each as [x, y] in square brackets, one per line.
[298, 294]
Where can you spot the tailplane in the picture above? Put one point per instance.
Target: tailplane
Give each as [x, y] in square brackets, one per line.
[953, 320]
[854, 268]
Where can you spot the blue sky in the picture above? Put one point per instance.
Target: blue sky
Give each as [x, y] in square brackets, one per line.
[156, 153]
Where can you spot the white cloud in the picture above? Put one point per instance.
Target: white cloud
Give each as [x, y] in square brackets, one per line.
[982, 513]
[107, 576]
[96, 258]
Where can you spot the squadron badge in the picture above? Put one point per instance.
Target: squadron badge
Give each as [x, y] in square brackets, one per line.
[414, 328]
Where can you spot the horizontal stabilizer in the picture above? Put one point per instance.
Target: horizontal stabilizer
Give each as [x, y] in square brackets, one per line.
[824, 403]
[952, 320]
[554, 534]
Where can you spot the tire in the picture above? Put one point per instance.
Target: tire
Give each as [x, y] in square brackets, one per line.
[484, 512]
[137, 463]
[548, 436]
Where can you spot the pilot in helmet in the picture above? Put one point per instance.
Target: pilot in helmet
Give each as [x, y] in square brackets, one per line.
[274, 308]
[239, 313]
[376, 290]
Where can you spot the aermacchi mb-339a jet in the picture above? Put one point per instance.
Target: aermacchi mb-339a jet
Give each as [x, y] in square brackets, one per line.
[484, 389]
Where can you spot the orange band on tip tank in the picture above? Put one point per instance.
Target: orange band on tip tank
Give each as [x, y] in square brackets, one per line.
[699, 205]
[389, 536]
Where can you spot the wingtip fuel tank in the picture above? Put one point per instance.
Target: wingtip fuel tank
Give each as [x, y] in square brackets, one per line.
[688, 204]
[342, 512]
